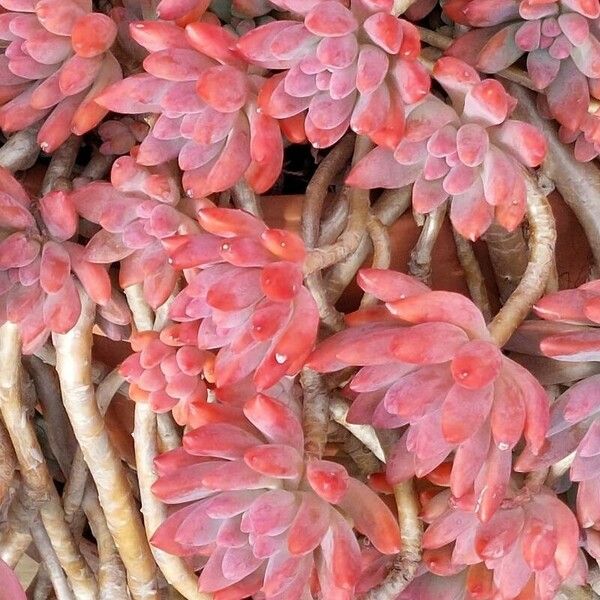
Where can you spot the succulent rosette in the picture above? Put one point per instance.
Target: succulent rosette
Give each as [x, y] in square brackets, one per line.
[246, 287]
[169, 372]
[470, 152]
[40, 267]
[257, 518]
[206, 101]
[528, 549]
[429, 368]
[56, 63]
[120, 136]
[349, 67]
[138, 209]
[560, 40]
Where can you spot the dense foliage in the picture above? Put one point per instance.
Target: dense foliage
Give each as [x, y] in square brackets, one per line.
[476, 476]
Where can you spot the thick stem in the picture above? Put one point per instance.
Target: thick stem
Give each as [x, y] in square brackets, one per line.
[97, 168]
[8, 462]
[168, 432]
[405, 564]
[50, 561]
[73, 363]
[112, 579]
[382, 253]
[358, 213]
[15, 537]
[330, 316]
[419, 265]
[316, 191]
[338, 409]
[315, 412]
[389, 207]
[333, 221]
[61, 165]
[146, 448]
[33, 468]
[577, 182]
[244, 197]
[508, 254]
[473, 275]
[21, 150]
[542, 242]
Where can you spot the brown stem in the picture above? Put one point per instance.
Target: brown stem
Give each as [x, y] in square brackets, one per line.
[473, 275]
[577, 182]
[50, 561]
[61, 164]
[73, 364]
[243, 197]
[330, 316]
[112, 579]
[388, 208]
[169, 436]
[333, 221]
[405, 564]
[419, 265]
[33, 468]
[146, 448]
[315, 412]
[508, 254]
[542, 242]
[382, 253]
[15, 537]
[97, 168]
[21, 150]
[317, 188]
[321, 258]
[8, 462]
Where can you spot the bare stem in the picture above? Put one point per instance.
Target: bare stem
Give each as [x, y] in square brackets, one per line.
[50, 561]
[21, 150]
[388, 208]
[73, 363]
[508, 254]
[244, 197]
[61, 165]
[145, 438]
[33, 467]
[473, 275]
[315, 409]
[316, 191]
[542, 242]
[419, 265]
[382, 253]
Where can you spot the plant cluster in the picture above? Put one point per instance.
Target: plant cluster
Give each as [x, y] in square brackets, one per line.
[286, 450]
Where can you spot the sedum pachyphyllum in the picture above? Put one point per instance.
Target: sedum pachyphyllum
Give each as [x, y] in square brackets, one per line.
[428, 362]
[258, 518]
[469, 151]
[348, 66]
[206, 100]
[169, 372]
[56, 63]
[138, 209]
[245, 283]
[41, 267]
[528, 549]
[560, 40]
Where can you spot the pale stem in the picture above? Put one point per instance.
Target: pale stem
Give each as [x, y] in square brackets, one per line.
[508, 254]
[315, 412]
[419, 265]
[243, 197]
[21, 150]
[50, 561]
[73, 364]
[145, 440]
[473, 275]
[382, 253]
[33, 467]
[542, 242]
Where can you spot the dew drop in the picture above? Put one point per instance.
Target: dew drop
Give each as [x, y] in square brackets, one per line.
[402, 296]
[503, 446]
[44, 146]
[170, 260]
[280, 358]
[282, 244]
[225, 247]
[463, 375]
